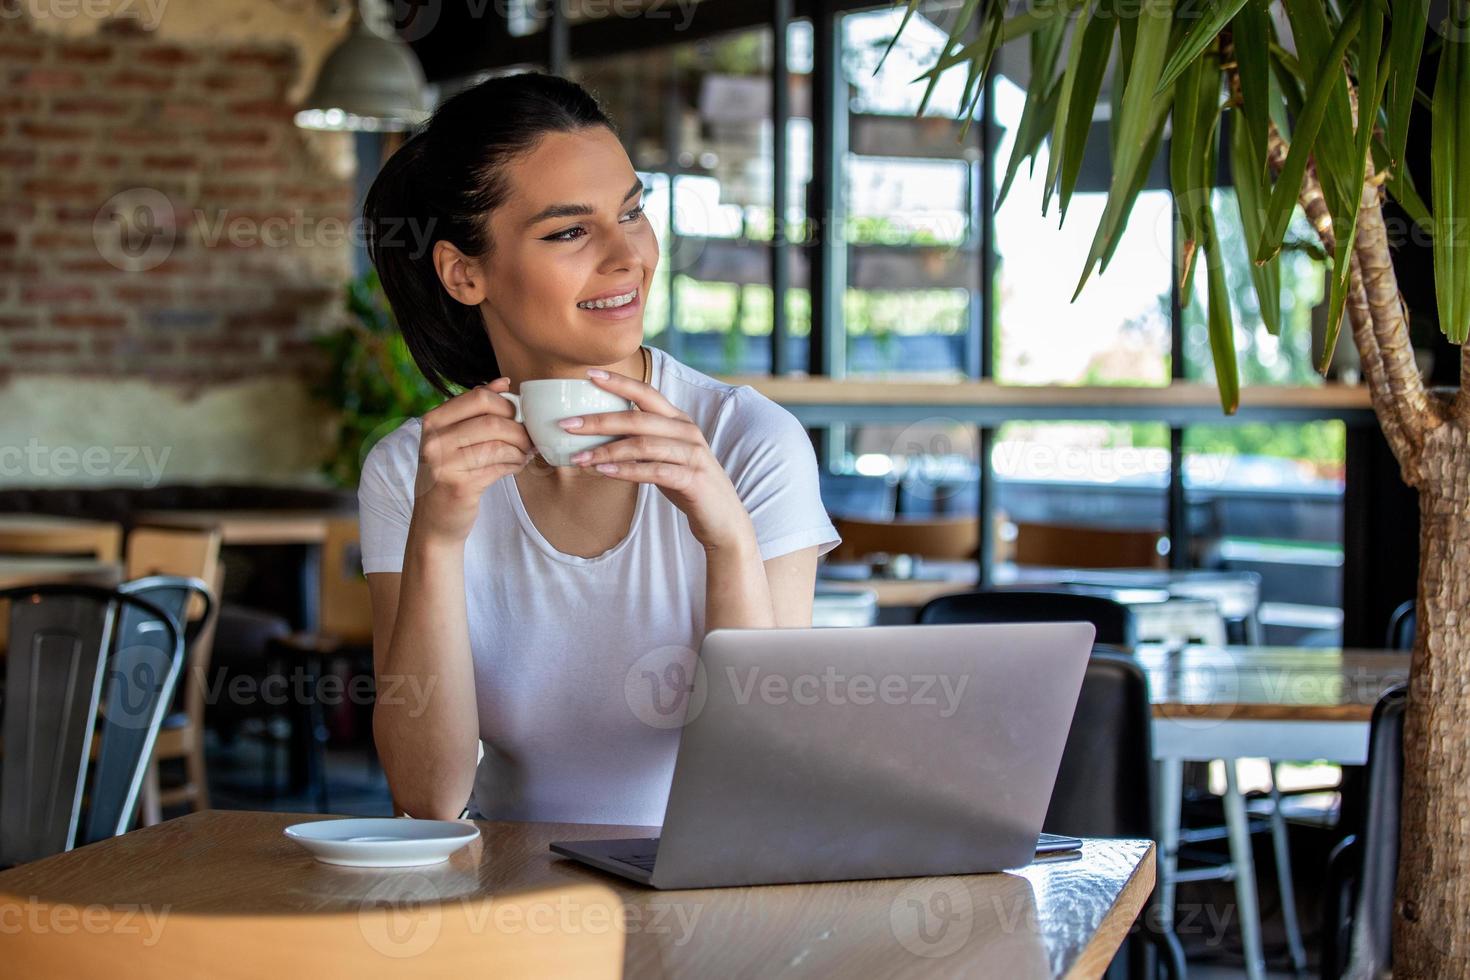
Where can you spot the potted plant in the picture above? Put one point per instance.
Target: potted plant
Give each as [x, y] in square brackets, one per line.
[1319, 101]
[372, 381]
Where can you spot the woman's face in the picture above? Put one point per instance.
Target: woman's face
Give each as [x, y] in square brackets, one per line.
[570, 233]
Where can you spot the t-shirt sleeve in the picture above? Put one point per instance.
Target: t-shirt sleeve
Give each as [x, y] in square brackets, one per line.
[385, 498]
[769, 458]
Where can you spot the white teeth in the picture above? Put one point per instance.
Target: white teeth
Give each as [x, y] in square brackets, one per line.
[610, 303]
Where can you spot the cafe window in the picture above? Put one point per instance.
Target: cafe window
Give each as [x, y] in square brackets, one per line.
[1268, 498]
[696, 121]
[910, 185]
[1117, 330]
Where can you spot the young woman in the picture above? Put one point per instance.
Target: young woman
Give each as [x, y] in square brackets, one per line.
[554, 613]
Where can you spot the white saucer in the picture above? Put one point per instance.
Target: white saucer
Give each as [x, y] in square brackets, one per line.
[382, 842]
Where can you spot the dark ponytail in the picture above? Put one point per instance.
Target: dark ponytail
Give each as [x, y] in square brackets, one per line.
[441, 185]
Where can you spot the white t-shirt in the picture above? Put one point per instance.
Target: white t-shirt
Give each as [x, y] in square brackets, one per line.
[580, 663]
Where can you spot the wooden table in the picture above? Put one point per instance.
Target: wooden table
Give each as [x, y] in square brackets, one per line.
[1242, 702]
[1058, 917]
[29, 571]
[248, 527]
[1159, 614]
[45, 534]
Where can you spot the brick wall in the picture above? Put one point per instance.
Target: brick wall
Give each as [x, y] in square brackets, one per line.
[161, 217]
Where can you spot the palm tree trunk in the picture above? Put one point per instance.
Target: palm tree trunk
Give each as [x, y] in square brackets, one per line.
[1429, 432]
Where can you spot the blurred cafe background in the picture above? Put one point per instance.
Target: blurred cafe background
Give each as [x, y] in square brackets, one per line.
[195, 355]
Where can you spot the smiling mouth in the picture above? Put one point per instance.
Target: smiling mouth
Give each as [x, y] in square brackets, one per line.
[611, 302]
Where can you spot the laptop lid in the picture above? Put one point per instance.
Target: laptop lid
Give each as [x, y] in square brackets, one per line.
[882, 751]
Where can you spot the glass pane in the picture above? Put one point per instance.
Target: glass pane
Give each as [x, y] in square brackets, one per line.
[1261, 358]
[696, 119]
[1117, 331]
[912, 243]
[1268, 498]
[1055, 481]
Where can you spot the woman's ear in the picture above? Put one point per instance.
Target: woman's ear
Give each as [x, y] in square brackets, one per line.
[459, 273]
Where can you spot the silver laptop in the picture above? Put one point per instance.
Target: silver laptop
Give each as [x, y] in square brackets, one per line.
[868, 752]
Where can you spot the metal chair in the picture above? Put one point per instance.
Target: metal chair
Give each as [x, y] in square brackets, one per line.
[1362, 871]
[135, 707]
[71, 645]
[1113, 620]
[192, 552]
[1402, 625]
[1105, 784]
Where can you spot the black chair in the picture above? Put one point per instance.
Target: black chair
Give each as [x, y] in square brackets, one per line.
[1402, 624]
[1362, 871]
[126, 729]
[1105, 785]
[73, 650]
[1113, 620]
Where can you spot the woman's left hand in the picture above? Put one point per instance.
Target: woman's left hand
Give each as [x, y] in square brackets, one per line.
[665, 447]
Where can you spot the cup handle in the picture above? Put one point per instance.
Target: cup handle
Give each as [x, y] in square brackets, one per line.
[515, 400]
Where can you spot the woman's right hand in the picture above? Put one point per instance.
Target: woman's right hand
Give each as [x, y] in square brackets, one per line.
[466, 444]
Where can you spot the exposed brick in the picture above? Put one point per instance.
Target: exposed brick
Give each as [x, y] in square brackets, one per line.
[51, 132]
[128, 78]
[85, 54]
[66, 215]
[17, 321]
[93, 267]
[175, 163]
[132, 347]
[169, 57]
[40, 293]
[274, 60]
[20, 51]
[238, 137]
[88, 321]
[50, 79]
[61, 239]
[251, 165]
[55, 187]
[143, 293]
[138, 136]
[23, 267]
[278, 319]
[189, 113]
[8, 239]
[89, 106]
[30, 347]
[262, 109]
[249, 346]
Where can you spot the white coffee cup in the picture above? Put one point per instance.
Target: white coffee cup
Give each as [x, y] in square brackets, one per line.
[545, 401]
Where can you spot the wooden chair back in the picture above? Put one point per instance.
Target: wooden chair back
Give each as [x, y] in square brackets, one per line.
[37, 535]
[346, 612]
[1064, 546]
[943, 539]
